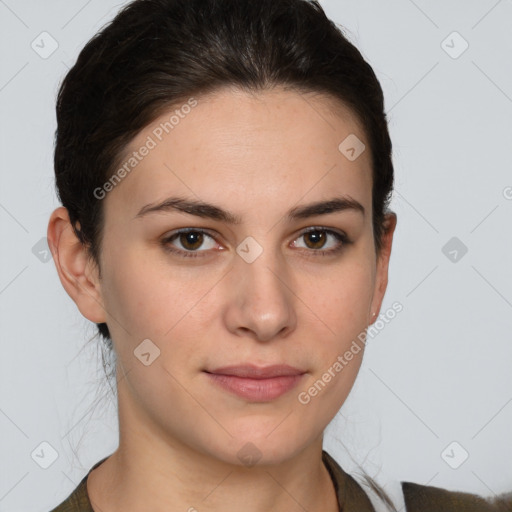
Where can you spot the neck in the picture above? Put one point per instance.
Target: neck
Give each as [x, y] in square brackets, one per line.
[151, 472]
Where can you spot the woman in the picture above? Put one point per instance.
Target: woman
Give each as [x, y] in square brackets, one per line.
[225, 172]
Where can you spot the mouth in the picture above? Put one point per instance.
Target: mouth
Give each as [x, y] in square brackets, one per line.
[256, 384]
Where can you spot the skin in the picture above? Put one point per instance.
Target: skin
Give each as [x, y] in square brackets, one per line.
[257, 156]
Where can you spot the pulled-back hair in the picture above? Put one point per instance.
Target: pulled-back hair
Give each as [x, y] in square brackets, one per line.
[156, 54]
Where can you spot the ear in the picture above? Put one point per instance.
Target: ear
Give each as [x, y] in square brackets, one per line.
[77, 272]
[381, 278]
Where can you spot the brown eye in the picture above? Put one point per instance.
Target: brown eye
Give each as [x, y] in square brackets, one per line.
[191, 240]
[317, 239]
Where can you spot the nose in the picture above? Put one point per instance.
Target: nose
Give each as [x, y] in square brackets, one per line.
[261, 301]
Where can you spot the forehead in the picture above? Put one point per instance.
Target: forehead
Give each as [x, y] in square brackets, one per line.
[235, 146]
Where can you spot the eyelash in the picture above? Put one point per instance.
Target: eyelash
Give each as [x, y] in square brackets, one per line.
[341, 237]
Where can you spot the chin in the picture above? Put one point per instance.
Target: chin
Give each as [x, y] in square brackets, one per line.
[261, 446]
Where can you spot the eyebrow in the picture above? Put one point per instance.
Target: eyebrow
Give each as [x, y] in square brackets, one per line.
[211, 211]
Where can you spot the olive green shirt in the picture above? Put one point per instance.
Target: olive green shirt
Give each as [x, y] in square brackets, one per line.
[351, 496]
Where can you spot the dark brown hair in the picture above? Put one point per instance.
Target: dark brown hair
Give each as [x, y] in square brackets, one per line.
[156, 54]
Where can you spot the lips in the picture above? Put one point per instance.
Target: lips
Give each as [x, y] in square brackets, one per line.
[255, 372]
[256, 384]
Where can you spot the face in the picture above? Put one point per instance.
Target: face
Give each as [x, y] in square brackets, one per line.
[259, 279]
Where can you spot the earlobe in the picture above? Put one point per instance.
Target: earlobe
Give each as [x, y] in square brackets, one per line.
[77, 273]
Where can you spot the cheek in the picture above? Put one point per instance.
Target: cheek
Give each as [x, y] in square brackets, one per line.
[149, 299]
[342, 296]
[339, 324]
[133, 296]
[338, 321]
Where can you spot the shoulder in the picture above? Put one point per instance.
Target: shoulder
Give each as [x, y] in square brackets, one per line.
[423, 498]
[77, 501]
[408, 496]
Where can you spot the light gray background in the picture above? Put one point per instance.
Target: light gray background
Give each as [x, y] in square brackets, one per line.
[438, 373]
